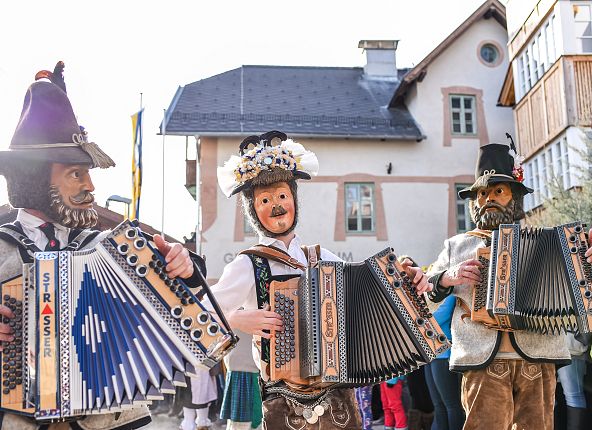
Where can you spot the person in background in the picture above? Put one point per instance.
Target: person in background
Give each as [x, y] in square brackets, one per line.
[241, 404]
[200, 393]
[572, 381]
[392, 404]
[443, 384]
[364, 399]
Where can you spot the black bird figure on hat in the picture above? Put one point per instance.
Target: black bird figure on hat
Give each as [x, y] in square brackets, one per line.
[56, 77]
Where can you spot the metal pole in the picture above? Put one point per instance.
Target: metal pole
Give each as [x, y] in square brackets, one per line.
[163, 172]
[198, 229]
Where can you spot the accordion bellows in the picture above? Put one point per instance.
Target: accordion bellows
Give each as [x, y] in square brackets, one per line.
[535, 279]
[352, 324]
[102, 330]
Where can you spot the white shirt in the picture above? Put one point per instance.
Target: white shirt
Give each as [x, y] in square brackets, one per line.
[236, 287]
[31, 223]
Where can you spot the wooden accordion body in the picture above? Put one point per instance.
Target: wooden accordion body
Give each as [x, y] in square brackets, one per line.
[535, 279]
[102, 330]
[351, 324]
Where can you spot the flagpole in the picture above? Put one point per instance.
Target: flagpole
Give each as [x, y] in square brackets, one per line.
[198, 195]
[137, 212]
[163, 183]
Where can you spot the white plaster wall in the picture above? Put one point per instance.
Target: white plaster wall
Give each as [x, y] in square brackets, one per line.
[416, 212]
[459, 66]
[417, 219]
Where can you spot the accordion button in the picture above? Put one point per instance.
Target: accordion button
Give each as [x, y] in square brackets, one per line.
[196, 334]
[6, 391]
[203, 317]
[186, 322]
[123, 248]
[130, 233]
[177, 311]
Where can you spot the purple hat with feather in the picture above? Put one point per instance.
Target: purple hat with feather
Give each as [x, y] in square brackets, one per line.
[48, 130]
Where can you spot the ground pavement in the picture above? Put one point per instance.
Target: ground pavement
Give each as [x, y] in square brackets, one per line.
[164, 422]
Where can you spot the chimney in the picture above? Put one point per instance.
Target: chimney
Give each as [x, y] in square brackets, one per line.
[380, 59]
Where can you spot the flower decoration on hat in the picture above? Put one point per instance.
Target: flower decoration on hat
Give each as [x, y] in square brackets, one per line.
[518, 170]
[270, 151]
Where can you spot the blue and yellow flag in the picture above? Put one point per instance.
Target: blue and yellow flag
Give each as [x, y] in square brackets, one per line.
[136, 164]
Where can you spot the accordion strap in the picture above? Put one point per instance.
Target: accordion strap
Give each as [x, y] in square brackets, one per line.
[275, 254]
[13, 234]
[313, 254]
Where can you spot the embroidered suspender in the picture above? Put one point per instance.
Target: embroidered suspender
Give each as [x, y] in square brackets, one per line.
[13, 233]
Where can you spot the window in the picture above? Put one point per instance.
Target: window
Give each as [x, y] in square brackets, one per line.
[462, 109]
[247, 227]
[359, 207]
[464, 222]
[549, 165]
[536, 57]
[489, 53]
[583, 24]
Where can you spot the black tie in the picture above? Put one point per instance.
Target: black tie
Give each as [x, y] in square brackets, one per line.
[49, 232]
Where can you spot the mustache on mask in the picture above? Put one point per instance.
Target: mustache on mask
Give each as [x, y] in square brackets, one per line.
[82, 198]
[489, 206]
[278, 211]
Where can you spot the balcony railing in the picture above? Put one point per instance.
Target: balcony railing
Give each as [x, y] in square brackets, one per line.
[561, 98]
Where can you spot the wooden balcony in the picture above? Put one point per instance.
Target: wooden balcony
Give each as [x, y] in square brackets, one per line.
[561, 98]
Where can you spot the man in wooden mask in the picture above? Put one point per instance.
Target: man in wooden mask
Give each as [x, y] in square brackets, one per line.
[265, 173]
[508, 377]
[47, 169]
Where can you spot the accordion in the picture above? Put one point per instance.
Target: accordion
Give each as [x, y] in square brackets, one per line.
[103, 329]
[351, 324]
[535, 279]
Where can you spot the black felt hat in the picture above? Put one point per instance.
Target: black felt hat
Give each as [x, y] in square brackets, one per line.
[494, 165]
[47, 129]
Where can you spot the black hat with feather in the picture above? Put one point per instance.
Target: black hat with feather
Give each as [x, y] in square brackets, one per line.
[497, 163]
[48, 130]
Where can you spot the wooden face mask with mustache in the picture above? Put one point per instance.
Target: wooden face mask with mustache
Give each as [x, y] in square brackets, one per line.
[274, 206]
[74, 184]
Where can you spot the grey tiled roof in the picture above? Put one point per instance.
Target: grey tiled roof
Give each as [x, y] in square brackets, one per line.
[301, 101]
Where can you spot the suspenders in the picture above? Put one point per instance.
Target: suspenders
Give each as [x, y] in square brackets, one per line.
[13, 233]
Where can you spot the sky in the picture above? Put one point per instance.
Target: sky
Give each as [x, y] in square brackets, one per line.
[116, 50]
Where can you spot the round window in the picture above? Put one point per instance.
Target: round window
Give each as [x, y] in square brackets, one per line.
[489, 53]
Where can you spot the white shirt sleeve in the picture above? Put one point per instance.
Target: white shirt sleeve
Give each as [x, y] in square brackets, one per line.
[236, 286]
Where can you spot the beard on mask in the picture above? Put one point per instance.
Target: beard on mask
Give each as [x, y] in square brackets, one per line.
[72, 217]
[491, 220]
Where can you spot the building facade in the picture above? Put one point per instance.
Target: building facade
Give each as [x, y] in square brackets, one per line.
[549, 87]
[394, 145]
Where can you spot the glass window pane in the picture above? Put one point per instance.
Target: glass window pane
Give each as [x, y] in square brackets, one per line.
[367, 209]
[468, 102]
[352, 193]
[587, 45]
[352, 208]
[456, 116]
[455, 102]
[366, 224]
[469, 128]
[456, 128]
[366, 191]
[352, 224]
